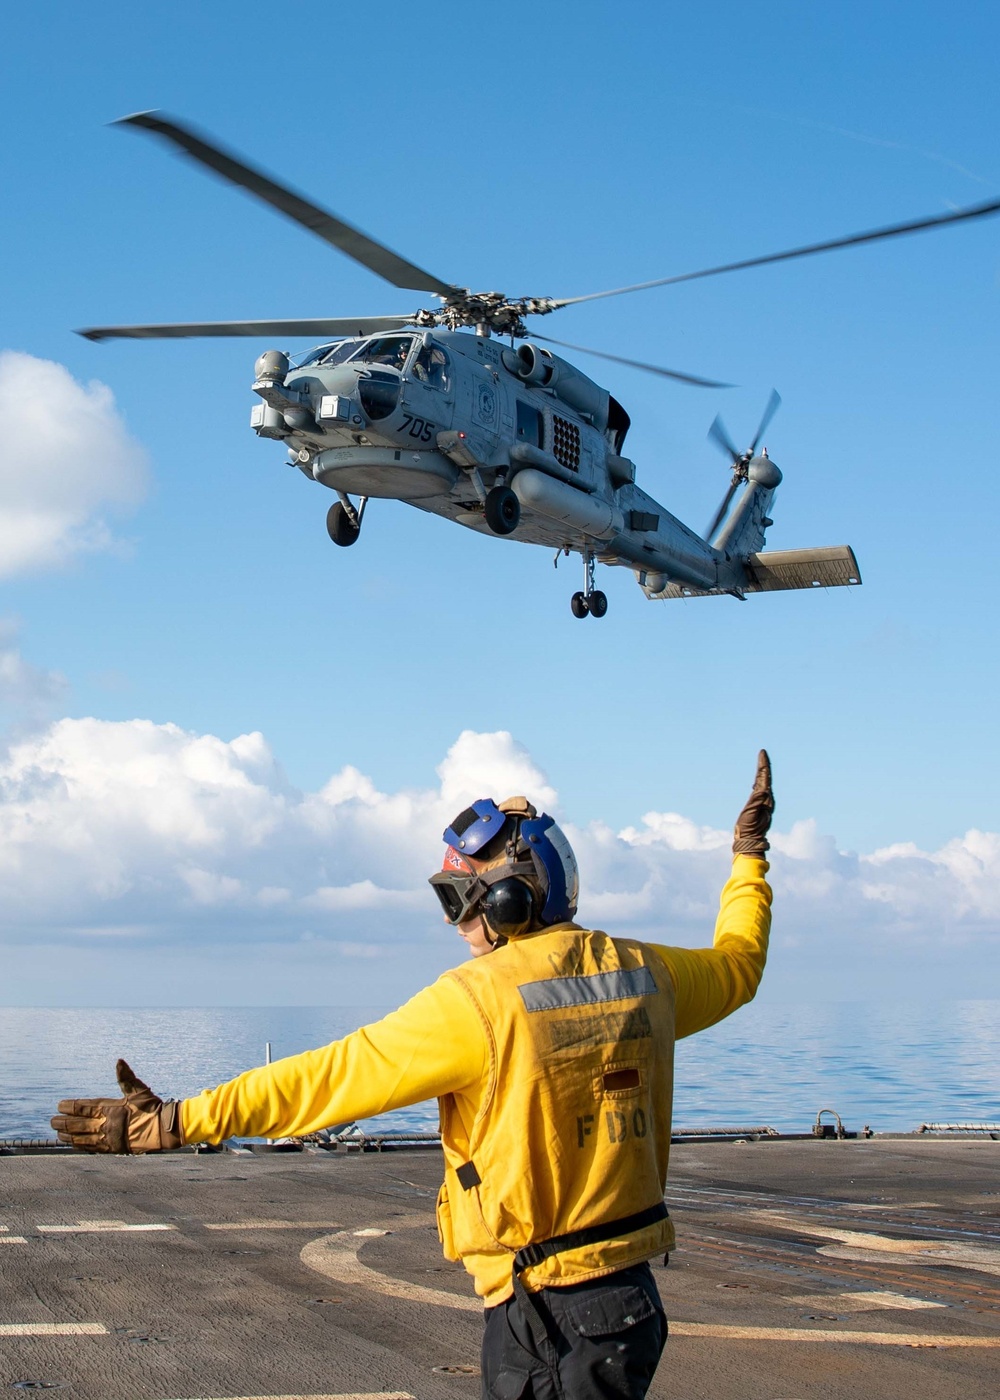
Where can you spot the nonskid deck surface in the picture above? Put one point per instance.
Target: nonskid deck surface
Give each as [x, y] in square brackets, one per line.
[826, 1269]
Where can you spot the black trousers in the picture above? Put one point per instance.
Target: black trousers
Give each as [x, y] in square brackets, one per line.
[604, 1341]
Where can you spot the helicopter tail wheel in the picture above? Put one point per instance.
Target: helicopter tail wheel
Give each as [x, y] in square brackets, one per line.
[340, 527]
[502, 510]
[579, 605]
[598, 603]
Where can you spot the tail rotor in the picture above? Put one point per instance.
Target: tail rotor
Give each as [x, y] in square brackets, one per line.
[739, 461]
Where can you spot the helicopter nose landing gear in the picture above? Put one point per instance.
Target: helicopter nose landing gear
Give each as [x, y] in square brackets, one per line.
[591, 600]
[343, 522]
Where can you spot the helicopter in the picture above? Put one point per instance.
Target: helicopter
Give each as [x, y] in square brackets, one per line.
[508, 440]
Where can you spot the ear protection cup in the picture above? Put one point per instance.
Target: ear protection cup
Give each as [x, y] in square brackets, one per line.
[509, 908]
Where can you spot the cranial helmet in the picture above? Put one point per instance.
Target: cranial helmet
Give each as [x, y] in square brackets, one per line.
[508, 864]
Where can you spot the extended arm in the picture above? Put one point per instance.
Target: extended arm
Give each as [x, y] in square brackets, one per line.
[433, 1045]
[712, 982]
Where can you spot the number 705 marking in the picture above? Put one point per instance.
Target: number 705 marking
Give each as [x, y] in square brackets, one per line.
[418, 428]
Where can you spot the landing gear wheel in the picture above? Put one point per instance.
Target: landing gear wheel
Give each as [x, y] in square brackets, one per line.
[502, 510]
[340, 527]
[598, 603]
[579, 605]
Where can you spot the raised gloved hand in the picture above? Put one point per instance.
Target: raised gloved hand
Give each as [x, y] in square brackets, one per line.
[138, 1122]
[753, 823]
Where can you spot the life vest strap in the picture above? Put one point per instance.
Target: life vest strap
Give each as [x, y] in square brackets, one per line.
[533, 1254]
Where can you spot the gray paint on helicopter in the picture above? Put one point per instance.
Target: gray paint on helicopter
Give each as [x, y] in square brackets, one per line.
[408, 455]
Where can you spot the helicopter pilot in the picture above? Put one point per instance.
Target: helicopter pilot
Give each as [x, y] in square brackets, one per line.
[391, 352]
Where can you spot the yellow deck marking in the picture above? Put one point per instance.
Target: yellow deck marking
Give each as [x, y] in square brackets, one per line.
[12, 1239]
[53, 1329]
[275, 1225]
[722, 1332]
[860, 1302]
[336, 1257]
[95, 1227]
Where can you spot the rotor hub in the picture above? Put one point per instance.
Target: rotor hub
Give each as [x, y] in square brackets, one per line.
[492, 309]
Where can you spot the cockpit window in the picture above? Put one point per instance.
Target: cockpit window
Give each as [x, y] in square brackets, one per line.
[389, 350]
[431, 366]
[314, 356]
[339, 353]
[329, 354]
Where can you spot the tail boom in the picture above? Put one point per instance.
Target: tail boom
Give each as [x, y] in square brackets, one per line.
[832, 566]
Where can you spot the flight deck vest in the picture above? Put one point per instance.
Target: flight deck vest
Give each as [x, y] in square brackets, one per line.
[571, 1128]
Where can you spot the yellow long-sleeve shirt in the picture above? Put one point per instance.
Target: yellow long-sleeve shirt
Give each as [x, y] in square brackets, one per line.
[436, 1044]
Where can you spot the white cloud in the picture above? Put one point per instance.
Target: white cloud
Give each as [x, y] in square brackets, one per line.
[491, 763]
[65, 458]
[26, 691]
[150, 833]
[156, 827]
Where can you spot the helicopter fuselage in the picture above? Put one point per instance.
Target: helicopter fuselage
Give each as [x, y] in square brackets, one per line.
[439, 418]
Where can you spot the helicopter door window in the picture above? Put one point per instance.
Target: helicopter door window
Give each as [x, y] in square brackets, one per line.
[431, 367]
[389, 350]
[618, 424]
[529, 424]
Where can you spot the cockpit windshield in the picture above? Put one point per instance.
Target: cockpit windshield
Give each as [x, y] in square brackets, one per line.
[329, 354]
[389, 350]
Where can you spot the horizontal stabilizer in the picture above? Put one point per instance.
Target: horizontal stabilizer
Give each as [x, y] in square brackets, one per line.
[832, 567]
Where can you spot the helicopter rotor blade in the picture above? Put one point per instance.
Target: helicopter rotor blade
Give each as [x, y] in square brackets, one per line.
[773, 404]
[720, 514]
[973, 211]
[349, 240]
[717, 432]
[316, 330]
[638, 364]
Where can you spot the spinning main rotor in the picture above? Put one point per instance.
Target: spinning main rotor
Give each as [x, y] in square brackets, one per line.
[486, 311]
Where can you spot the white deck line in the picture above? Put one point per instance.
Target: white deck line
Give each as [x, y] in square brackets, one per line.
[722, 1332]
[53, 1329]
[274, 1225]
[97, 1227]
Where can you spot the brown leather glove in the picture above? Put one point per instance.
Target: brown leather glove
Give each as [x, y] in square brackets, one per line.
[753, 823]
[139, 1122]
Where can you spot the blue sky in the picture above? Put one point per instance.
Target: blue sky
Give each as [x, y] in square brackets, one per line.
[551, 150]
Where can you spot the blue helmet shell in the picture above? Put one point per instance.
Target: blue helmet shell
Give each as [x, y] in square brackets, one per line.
[556, 865]
[551, 854]
[475, 827]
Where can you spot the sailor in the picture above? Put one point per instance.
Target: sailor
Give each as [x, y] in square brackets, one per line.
[551, 1055]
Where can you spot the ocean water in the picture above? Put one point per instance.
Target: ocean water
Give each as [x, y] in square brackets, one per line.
[892, 1066]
